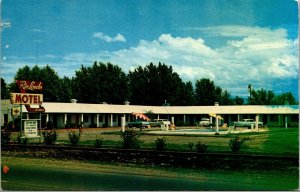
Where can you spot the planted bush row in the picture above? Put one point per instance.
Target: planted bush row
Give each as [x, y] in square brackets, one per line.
[130, 140]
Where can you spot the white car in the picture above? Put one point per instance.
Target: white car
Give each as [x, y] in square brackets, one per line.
[163, 121]
[205, 122]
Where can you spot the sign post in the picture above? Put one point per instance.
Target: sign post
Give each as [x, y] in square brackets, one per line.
[28, 97]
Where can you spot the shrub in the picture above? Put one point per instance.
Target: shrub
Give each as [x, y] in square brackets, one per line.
[74, 137]
[19, 139]
[49, 137]
[236, 143]
[98, 142]
[22, 140]
[5, 137]
[130, 139]
[161, 143]
[93, 125]
[191, 146]
[10, 125]
[201, 147]
[49, 125]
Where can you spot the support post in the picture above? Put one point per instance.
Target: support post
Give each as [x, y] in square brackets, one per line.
[40, 135]
[97, 119]
[123, 122]
[111, 120]
[65, 120]
[217, 124]
[81, 119]
[21, 119]
[286, 121]
[172, 120]
[256, 121]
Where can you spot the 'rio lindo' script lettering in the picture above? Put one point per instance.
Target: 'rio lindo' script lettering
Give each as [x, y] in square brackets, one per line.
[30, 85]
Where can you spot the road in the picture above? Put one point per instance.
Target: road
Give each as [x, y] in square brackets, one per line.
[20, 178]
[42, 175]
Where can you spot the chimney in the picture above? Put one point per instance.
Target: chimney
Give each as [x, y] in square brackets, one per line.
[126, 103]
[73, 100]
[216, 103]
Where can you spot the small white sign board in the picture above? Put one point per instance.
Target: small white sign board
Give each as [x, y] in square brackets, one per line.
[30, 128]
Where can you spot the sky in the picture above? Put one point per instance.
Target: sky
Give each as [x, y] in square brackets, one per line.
[232, 42]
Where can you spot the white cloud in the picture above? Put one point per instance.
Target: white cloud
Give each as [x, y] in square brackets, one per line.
[102, 36]
[240, 31]
[261, 57]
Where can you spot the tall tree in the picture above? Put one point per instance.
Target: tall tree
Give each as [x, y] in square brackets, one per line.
[4, 90]
[47, 75]
[262, 97]
[65, 91]
[238, 100]
[285, 98]
[206, 92]
[101, 83]
[187, 94]
[155, 85]
[226, 98]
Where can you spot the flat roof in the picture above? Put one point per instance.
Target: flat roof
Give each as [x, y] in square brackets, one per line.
[52, 107]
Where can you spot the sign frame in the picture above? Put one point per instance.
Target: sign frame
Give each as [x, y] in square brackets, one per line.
[30, 128]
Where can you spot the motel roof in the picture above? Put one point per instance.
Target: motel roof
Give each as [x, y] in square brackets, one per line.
[52, 107]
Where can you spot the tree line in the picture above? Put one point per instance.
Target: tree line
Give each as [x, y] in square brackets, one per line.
[150, 85]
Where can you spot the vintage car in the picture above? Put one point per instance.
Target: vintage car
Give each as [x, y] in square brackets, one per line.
[247, 123]
[138, 124]
[205, 122]
[159, 122]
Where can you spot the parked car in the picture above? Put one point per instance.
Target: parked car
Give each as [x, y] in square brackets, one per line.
[205, 122]
[247, 123]
[139, 124]
[159, 122]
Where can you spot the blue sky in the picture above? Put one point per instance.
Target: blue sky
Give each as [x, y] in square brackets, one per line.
[232, 42]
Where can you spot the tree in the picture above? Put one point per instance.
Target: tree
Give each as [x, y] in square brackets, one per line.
[238, 100]
[262, 97]
[53, 92]
[284, 98]
[4, 90]
[101, 83]
[52, 83]
[226, 98]
[65, 91]
[187, 94]
[156, 85]
[206, 92]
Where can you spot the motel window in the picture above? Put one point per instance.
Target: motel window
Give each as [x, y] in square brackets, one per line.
[85, 118]
[294, 118]
[234, 117]
[69, 117]
[100, 117]
[274, 117]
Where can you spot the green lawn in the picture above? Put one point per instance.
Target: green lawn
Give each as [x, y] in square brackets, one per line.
[276, 141]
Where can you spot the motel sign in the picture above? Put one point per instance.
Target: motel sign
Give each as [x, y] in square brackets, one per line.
[26, 98]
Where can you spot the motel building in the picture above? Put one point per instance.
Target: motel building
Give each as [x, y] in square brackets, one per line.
[110, 115]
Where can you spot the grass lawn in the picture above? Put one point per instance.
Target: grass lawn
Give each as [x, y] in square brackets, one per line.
[52, 174]
[275, 141]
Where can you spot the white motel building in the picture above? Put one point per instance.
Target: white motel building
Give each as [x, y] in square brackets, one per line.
[110, 115]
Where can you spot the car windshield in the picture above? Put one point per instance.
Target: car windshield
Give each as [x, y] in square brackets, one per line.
[204, 119]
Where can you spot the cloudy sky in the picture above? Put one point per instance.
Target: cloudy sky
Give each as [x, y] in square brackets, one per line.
[232, 42]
